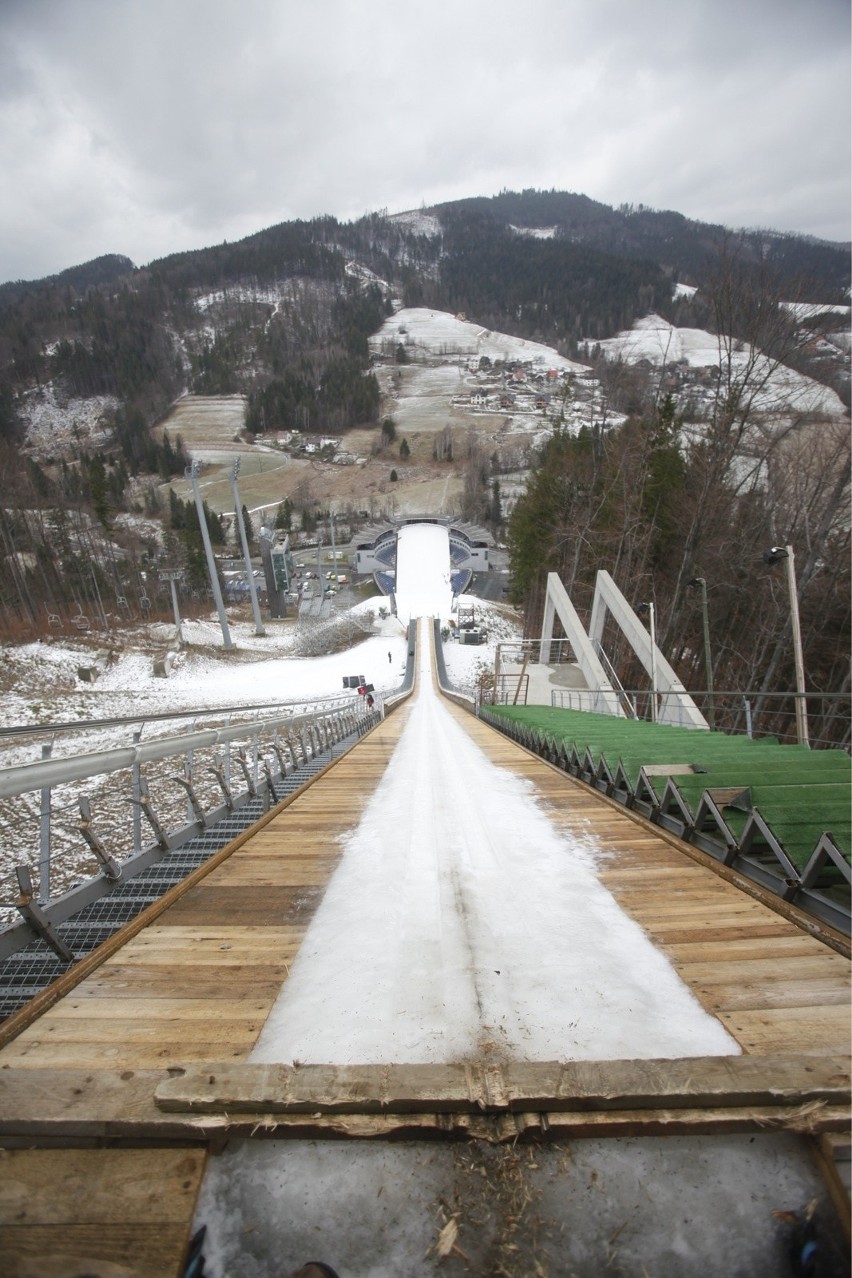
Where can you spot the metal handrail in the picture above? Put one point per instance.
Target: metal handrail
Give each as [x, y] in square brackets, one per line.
[86, 725]
[739, 706]
[26, 777]
[304, 737]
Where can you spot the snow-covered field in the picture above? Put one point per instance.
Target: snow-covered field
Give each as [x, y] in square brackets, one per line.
[436, 333]
[41, 684]
[809, 310]
[418, 222]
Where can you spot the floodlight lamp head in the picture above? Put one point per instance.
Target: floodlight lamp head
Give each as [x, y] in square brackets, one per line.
[695, 582]
[774, 555]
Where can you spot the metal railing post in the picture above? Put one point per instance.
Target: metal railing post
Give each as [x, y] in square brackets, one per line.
[187, 772]
[44, 835]
[136, 794]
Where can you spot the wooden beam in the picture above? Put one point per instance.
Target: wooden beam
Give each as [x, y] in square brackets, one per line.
[700, 1082]
[191, 1105]
[100, 1117]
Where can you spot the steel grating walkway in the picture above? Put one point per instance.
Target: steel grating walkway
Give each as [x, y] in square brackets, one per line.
[34, 968]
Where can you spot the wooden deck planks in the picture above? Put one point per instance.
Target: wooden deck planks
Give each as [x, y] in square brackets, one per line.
[73, 1211]
[233, 936]
[195, 986]
[228, 940]
[773, 986]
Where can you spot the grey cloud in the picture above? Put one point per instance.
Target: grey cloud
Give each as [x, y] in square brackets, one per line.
[175, 126]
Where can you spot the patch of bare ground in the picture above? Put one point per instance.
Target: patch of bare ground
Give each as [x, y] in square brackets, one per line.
[210, 430]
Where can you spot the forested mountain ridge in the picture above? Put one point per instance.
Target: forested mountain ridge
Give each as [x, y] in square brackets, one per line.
[285, 300]
[679, 245]
[283, 317]
[101, 270]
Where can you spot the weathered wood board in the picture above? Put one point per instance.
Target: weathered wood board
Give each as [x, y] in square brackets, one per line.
[125, 1053]
[64, 1212]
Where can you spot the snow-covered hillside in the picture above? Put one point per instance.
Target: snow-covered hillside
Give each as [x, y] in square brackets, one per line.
[417, 222]
[57, 426]
[783, 390]
[428, 333]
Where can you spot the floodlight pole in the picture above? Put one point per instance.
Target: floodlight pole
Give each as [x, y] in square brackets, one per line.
[798, 657]
[192, 476]
[653, 631]
[241, 524]
[773, 556]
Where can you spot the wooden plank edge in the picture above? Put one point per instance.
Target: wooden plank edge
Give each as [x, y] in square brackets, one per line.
[814, 927]
[809, 1121]
[122, 1104]
[31, 1011]
[825, 1155]
[697, 1082]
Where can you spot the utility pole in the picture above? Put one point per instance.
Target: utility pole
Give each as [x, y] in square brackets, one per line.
[192, 476]
[241, 524]
[653, 663]
[649, 608]
[798, 656]
[773, 556]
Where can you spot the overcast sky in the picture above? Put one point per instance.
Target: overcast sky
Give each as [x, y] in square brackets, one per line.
[145, 127]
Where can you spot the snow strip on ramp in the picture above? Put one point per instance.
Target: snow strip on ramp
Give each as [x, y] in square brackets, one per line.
[461, 923]
[423, 572]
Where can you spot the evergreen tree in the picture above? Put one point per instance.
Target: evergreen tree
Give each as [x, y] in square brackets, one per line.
[388, 431]
[99, 490]
[177, 511]
[248, 526]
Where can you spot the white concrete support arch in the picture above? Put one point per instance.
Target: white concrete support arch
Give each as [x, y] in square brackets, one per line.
[603, 699]
[675, 704]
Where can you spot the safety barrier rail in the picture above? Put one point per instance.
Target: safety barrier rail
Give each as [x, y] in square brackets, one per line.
[444, 682]
[76, 822]
[748, 712]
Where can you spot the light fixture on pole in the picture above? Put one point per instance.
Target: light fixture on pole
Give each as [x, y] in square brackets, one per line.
[649, 608]
[708, 661]
[772, 556]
